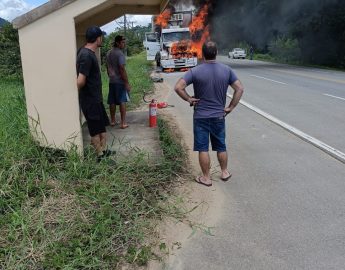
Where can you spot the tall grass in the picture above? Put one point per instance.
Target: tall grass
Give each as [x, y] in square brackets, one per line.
[58, 211]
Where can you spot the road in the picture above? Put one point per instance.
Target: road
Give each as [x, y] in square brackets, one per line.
[285, 206]
[311, 100]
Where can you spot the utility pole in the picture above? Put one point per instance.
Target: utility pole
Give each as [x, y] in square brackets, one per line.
[125, 25]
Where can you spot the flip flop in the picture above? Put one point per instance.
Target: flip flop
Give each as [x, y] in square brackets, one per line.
[114, 123]
[198, 180]
[226, 178]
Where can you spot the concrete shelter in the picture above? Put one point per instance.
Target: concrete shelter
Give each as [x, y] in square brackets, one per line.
[49, 37]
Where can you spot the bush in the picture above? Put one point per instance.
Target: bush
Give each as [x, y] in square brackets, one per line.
[285, 50]
[263, 57]
[10, 62]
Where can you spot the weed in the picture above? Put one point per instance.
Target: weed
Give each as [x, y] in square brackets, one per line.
[58, 210]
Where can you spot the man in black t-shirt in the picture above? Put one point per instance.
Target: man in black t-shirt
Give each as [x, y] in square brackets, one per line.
[89, 85]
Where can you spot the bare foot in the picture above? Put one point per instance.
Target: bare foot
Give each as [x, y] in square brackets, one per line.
[124, 126]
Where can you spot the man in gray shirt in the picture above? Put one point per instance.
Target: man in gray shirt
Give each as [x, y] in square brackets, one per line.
[210, 81]
[118, 80]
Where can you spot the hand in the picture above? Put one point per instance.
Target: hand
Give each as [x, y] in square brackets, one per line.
[128, 87]
[227, 110]
[193, 101]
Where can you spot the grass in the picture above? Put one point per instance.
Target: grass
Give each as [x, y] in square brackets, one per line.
[269, 58]
[58, 211]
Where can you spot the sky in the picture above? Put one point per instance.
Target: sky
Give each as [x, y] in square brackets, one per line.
[10, 9]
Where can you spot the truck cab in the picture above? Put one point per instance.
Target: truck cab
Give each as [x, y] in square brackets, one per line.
[171, 48]
[152, 45]
[176, 51]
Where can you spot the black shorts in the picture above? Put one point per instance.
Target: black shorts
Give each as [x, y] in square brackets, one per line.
[96, 118]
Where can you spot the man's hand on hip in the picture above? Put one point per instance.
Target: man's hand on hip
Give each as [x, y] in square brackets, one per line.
[193, 101]
[227, 110]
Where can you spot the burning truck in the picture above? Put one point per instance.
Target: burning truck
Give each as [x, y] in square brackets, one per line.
[176, 49]
[177, 41]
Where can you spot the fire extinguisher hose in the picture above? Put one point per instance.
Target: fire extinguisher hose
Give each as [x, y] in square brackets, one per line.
[149, 101]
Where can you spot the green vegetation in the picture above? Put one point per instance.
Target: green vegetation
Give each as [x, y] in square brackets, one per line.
[303, 32]
[285, 50]
[2, 22]
[134, 36]
[59, 211]
[10, 63]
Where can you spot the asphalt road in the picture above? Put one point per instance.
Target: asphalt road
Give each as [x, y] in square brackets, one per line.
[285, 206]
[311, 100]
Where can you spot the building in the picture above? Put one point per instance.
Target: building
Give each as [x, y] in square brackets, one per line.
[49, 37]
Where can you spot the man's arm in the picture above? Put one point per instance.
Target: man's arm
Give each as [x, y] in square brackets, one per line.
[180, 89]
[124, 77]
[238, 91]
[81, 81]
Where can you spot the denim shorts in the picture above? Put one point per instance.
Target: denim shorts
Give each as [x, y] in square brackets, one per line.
[206, 129]
[117, 94]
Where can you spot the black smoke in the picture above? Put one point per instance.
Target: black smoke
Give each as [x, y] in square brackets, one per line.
[317, 25]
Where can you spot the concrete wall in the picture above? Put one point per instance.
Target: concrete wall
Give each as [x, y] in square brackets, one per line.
[48, 59]
[48, 49]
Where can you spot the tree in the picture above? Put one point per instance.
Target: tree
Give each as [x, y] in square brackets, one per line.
[134, 36]
[10, 61]
[321, 35]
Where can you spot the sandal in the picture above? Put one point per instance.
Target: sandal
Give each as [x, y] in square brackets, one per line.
[226, 178]
[198, 180]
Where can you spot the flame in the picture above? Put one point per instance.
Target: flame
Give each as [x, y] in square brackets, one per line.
[169, 70]
[163, 19]
[200, 31]
[182, 49]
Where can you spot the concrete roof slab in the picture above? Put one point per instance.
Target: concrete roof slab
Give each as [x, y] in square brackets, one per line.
[135, 6]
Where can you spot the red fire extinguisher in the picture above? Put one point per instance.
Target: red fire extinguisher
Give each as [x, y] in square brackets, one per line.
[153, 113]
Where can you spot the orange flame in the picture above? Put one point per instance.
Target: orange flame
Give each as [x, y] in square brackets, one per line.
[199, 30]
[169, 70]
[163, 19]
[182, 49]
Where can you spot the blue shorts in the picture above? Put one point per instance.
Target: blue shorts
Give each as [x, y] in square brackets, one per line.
[117, 94]
[206, 129]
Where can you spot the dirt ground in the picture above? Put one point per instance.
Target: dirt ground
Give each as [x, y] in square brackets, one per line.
[204, 203]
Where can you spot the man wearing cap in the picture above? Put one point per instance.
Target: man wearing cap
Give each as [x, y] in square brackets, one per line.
[118, 80]
[89, 85]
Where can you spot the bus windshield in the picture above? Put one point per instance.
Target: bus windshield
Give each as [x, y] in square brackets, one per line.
[175, 36]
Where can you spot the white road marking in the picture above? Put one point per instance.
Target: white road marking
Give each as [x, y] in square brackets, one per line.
[299, 73]
[334, 96]
[268, 79]
[319, 144]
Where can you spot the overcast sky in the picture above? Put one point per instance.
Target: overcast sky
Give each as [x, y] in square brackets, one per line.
[10, 9]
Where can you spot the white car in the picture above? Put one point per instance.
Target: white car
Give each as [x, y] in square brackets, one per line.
[237, 53]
